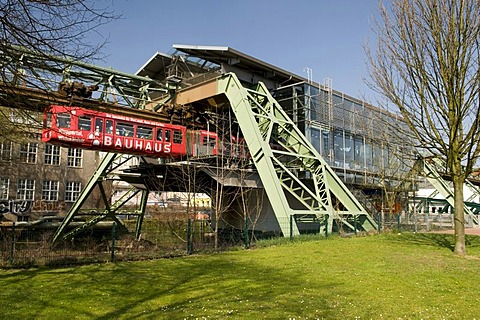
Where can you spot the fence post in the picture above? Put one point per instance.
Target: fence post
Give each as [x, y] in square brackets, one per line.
[112, 256]
[189, 236]
[291, 227]
[355, 223]
[326, 226]
[398, 222]
[12, 245]
[379, 225]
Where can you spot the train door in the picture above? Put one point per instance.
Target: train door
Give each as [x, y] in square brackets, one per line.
[108, 135]
[98, 133]
[85, 125]
[167, 141]
[178, 142]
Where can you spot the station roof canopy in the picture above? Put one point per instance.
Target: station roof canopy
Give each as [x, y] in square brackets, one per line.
[226, 56]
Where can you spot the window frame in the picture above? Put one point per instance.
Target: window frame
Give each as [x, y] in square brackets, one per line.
[25, 188]
[52, 155]
[28, 152]
[50, 190]
[75, 158]
[72, 190]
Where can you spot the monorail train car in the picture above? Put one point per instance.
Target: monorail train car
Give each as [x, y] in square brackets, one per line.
[89, 129]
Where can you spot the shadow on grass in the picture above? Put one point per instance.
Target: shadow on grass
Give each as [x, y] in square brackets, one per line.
[433, 239]
[217, 286]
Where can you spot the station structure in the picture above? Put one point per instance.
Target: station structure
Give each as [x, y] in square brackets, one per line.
[317, 159]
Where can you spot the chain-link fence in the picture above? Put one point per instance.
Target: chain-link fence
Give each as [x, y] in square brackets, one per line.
[23, 247]
[420, 222]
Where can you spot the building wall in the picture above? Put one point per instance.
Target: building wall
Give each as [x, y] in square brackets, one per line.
[45, 178]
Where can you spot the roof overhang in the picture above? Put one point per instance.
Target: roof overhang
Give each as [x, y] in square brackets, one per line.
[228, 57]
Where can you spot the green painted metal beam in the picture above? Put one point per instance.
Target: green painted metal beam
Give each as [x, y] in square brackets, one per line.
[109, 163]
[265, 124]
[143, 207]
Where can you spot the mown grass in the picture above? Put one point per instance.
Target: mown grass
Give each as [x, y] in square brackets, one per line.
[396, 276]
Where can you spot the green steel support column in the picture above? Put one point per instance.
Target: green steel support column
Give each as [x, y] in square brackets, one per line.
[143, 207]
[109, 163]
[263, 123]
[97, 176]
[244, 107]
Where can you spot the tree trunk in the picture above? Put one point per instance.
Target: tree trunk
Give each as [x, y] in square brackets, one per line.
[459, 217]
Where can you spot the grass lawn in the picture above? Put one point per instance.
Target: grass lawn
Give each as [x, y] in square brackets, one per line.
[394, 276]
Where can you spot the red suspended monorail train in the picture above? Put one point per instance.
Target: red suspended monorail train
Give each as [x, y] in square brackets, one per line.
[90, 129]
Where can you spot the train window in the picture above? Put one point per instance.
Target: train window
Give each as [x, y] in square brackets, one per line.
[208, 141]
[63, 120]
[85, 123]
[124, 129]
[144, 132]
[159, 134]
[98, 125]
[177, 136]
[109, 129]
[168, 133]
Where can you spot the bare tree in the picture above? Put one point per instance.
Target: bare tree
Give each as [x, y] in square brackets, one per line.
[58, 27]
[426, 63]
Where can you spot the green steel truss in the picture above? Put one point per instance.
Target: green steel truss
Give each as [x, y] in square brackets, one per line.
[36, 70]
[107, 167]
[282, 156]
[265, 125]
[431, 168]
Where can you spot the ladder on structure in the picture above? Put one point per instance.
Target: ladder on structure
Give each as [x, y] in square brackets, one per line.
[265, 124]
[431, 171]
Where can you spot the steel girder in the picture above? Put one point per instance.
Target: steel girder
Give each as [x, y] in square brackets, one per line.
[108, 165]
[265, 125]
[44, 72]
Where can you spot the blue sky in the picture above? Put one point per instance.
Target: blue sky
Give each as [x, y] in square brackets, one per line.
[326, 36]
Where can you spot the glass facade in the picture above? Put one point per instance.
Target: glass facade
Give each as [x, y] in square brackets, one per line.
[351, 136]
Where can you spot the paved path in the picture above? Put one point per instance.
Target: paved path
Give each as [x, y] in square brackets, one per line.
[469, 231]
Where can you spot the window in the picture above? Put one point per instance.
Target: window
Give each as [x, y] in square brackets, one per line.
[159, 134]
[28, 152]
[25, 189]
[72, 191]
[124, 129]
[52, 154]
[50, 190]
[209, 141]
[6, 151]
[63, 120]
[168, 133]
[177, 136]
[98, 125]
[144, 132]
[315, 138]
[85, 123]
[74, 158]
[4, 188]
[109, 129]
